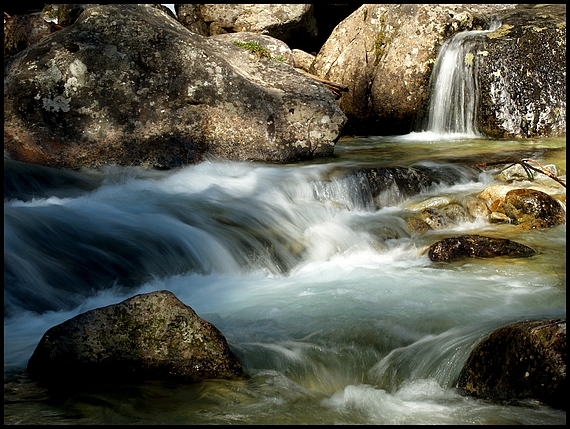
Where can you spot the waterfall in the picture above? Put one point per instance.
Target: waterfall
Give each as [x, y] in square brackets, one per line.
[453, 86]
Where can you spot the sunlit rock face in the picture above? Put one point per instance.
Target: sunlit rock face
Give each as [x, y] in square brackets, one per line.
[385, 54]
[524, 360]
[522, 74]
[148, 336]
[129, 85]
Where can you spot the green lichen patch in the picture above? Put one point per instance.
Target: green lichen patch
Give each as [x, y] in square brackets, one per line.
[503, 30]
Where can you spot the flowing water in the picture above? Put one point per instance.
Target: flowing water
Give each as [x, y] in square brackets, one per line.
[454, 86]
[332, 306]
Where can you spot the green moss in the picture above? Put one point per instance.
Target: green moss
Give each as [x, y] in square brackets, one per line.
[380, 41]
[255, 48]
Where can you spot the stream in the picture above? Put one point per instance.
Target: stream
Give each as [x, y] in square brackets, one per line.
[332, 306]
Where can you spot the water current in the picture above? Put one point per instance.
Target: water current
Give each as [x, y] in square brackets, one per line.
[332, 306]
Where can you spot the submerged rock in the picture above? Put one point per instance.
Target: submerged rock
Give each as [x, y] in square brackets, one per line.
[524, 360]
[471, 246]
[148, 336]
[129, 85]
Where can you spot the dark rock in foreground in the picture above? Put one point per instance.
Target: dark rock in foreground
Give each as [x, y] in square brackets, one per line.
[148, 336]
[524, 360]
[471, 246]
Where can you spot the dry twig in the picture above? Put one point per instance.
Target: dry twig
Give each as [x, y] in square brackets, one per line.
[527, 168]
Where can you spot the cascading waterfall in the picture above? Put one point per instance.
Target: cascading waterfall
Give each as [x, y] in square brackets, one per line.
[454, 88]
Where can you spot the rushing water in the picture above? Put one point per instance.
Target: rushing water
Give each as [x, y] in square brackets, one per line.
[335, 311]
[454, 86]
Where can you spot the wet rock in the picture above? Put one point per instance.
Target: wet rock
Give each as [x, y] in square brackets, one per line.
[524, 360]
[433, 202]
[391, 185]
[477, 208]
[148, 336]
[446, 216]
[476, 246]
[522, 74]
[417, 225]
[457, 213]
[529, 208]
[498, 217]
[517, 172]
[494, 195]
[436, 219]
[532, 207]
[129, 85]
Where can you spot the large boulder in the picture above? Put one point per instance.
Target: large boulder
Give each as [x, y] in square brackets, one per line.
[275, 48]
[385, 54]
[127, 84]
[522, 74]
[290, 23]
[523, 360]
[148, 336]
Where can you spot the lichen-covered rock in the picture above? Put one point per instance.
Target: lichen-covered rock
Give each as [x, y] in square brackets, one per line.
[523, 360]
[522, 74]
[21, 31]
[276, 49]
[129, 85]
[303, 60]
[148, 336]
[471, 246]
[385, 54]
[286, 22]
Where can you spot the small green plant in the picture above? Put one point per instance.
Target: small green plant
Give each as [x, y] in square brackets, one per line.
[256, 49]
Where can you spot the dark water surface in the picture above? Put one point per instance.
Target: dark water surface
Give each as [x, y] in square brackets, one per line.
[332, 306]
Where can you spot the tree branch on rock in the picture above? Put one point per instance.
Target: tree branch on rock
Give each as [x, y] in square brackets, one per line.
[527, 168]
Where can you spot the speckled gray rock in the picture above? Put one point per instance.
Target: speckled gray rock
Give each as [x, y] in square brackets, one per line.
[522, 74]
[287, 22]
[129, 85]
[523, 360]
[148, 336]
